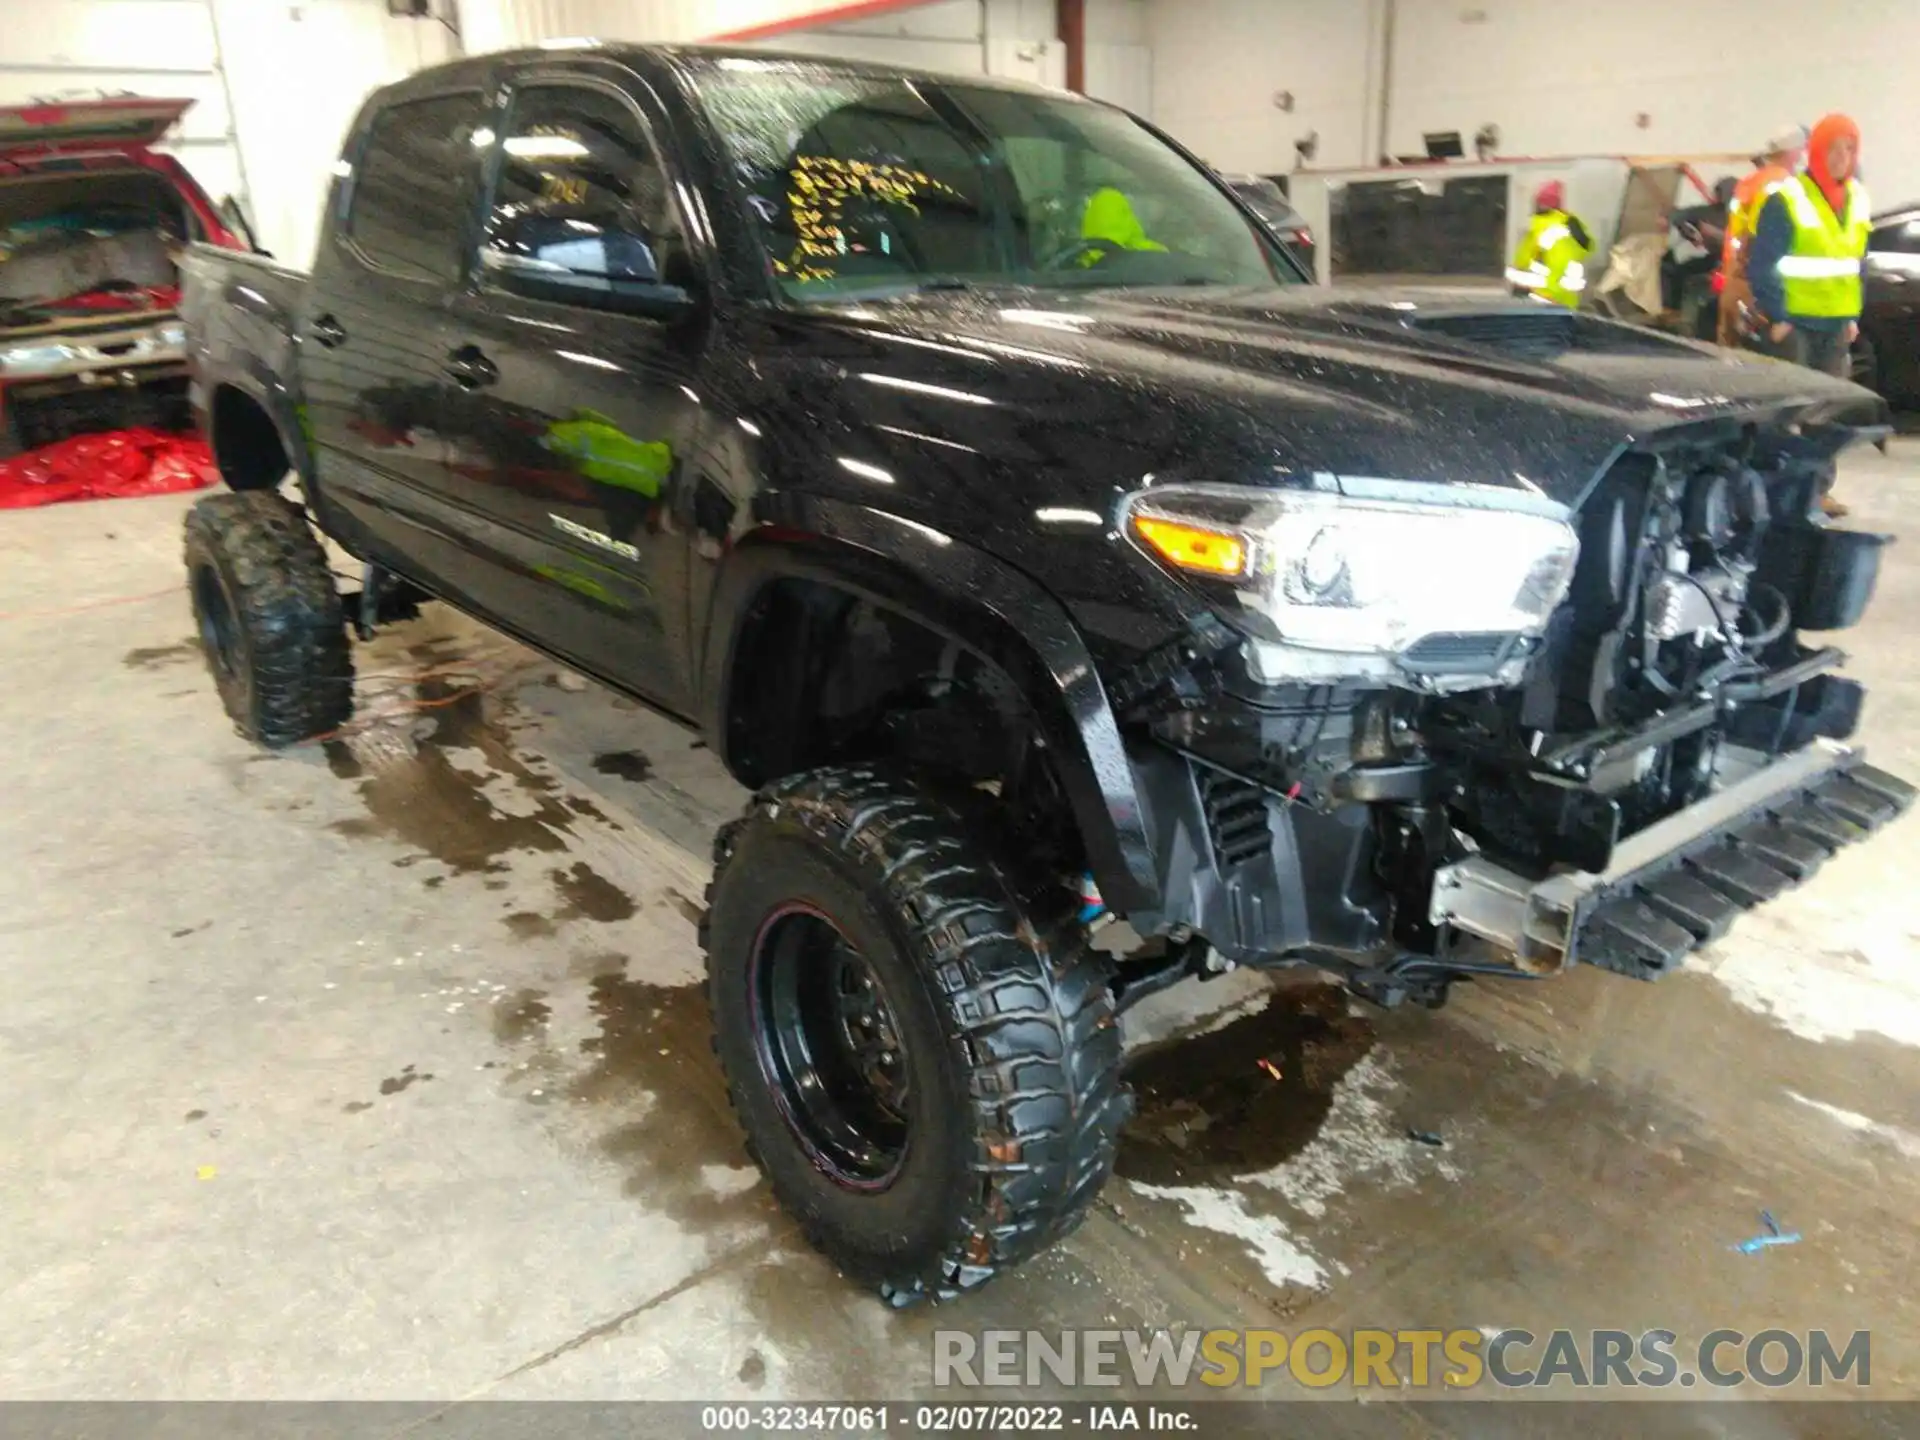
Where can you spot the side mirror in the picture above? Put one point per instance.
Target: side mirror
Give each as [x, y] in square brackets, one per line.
[234, 216]
[581, 262]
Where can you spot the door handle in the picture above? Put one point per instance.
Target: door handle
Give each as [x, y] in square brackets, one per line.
[470, 368]
[326, 331]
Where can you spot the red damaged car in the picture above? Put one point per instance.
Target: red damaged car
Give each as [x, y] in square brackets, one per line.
[92, 223]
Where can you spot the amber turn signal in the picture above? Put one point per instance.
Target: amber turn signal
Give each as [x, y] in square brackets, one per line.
[1194, 547]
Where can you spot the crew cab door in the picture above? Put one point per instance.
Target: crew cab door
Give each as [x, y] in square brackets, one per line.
[373, 340]
[590, 408]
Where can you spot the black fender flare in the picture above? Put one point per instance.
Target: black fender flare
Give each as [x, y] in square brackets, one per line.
[252, 351]
[990, 608]
[254, 378]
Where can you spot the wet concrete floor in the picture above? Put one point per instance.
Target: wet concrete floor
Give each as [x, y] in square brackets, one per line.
[379, 1069]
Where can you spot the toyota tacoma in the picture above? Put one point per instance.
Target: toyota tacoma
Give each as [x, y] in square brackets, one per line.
[976, 473]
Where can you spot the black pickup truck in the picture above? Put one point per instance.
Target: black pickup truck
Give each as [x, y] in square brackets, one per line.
[978, 476]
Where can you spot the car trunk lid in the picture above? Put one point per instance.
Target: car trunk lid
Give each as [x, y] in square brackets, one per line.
[66, 127]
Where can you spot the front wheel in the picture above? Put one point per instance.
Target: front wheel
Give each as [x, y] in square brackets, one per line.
[928, 1076]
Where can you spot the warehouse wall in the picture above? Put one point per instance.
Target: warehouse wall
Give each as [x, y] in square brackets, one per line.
[1119, 60]
[83, 48]
[999, 37]
[297, 72]
[945, 35]
[268, 127]
[497, 24]
[1708, 75]
[1218, 66]
[1014, 38]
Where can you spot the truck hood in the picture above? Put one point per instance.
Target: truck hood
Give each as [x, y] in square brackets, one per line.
[61, 127]
[1279, 386]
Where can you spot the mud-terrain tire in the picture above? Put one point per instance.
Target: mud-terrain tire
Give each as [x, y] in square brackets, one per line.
[270, 618]
[1007, 1078]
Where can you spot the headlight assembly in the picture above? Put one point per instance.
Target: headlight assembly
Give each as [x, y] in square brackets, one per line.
[1366, 586]
[29, 359]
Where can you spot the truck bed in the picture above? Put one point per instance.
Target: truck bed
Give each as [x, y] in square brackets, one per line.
[242, 312]
[227, 288]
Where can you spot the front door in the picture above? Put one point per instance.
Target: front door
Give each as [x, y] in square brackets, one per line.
[578, 419]
[373, 340]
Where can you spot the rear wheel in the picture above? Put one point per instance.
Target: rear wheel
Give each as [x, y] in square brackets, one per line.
[928, 1076]
[270, 618]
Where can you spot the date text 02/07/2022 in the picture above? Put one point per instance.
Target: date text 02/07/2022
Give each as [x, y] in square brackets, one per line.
[874, 1419]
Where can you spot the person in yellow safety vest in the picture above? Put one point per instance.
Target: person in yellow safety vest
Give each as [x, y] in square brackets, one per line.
[1805, 257]
[1550, 263]
[1109, 220]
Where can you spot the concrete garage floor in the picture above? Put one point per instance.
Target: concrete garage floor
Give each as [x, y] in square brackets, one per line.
[377, 1069]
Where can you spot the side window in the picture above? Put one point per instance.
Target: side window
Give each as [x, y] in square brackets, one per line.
[883, 189]
[581, 190]
[405, 212]
[1073, 192]
[1042, 173]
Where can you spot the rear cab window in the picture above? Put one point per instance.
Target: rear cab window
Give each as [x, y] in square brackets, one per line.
[406, 212]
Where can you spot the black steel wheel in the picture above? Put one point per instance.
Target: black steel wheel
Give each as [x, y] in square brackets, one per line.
[927, 1072]
[830, 1048]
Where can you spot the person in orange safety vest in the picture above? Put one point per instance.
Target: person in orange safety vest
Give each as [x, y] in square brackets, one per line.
[1779, 161]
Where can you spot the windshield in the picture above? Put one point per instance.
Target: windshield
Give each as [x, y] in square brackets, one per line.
[862, 185]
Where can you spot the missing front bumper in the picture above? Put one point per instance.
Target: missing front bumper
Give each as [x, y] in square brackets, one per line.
[1682, 881]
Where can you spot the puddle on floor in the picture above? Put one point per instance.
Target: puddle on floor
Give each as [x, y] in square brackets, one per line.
[394, 1084]
[644, 1081]
[454, 789]
[587, 895]
[521, 1017]
[624, 765]
[428, 802]
[1245, 1097]
[590, 895]
[529, 925]
[158, 657]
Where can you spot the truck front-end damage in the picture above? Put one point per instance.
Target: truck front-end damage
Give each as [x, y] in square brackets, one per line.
[1464, 733]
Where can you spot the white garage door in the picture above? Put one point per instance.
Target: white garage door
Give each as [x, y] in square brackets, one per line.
[73, 49]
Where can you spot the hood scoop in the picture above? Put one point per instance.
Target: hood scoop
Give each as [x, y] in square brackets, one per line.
[1539, 334]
